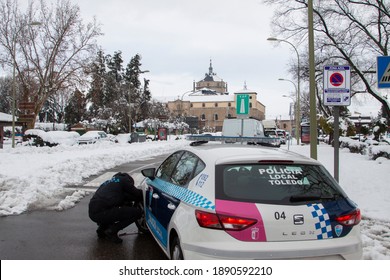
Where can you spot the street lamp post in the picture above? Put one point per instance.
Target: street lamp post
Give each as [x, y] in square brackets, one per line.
[130, 92]
[14, 77]
[181, 109]
[297, 110]
[291, 123]
[136, 112]
[360, 126]
[298, 129]
[14, 93]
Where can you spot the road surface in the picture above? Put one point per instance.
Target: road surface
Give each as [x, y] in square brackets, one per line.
[70, 234]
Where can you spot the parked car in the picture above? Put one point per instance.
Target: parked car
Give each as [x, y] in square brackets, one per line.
[8, 140]
[91, 137]
[233, 201]
[112, 138]
[282, 135]
[277, 133]
[322, 137]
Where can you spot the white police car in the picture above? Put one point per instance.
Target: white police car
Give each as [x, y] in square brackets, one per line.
[232, 201]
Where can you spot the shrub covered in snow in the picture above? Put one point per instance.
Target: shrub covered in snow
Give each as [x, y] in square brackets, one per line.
[354, 146]
[379, 151]
[373, 148]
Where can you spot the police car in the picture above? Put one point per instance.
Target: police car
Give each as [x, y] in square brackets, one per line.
[235, 201]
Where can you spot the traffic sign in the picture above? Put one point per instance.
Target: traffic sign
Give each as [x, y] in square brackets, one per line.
[26, 105]
[383, 71]
[27, 116]
[25, 120]
[242, 107]
[337, 85]
[336, 79]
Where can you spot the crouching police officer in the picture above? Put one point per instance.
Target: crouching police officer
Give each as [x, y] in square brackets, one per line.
[111, 207]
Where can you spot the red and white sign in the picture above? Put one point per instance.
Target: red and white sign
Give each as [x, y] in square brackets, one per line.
[336, 79]
[337, 85]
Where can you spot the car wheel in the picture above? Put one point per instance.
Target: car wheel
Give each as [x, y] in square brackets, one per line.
[176, 252]
[141, 222]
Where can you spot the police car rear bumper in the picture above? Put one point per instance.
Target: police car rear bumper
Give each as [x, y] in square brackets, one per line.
[335, 249]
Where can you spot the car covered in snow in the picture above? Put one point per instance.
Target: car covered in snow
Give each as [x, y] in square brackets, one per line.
[233, 201]
[93, 136]
[38, 137]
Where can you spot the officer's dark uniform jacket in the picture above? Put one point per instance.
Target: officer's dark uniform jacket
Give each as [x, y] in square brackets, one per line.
[118, 191]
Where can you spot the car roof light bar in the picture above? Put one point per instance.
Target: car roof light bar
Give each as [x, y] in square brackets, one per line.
[264, 141]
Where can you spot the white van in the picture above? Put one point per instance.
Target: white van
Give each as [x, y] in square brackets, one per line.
[251, 128]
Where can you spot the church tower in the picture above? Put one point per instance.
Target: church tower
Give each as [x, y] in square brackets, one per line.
[211, 84]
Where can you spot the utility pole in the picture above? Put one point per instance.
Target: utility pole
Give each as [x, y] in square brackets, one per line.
[313, 107]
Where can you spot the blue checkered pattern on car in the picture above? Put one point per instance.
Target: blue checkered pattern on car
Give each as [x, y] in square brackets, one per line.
[323, 226]
[183, 194]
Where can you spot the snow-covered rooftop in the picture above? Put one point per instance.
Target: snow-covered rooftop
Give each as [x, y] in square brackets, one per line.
[245, 90]
[209, 98]
[212, 78]
[5, 117]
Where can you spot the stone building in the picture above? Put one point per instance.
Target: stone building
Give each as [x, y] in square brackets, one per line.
[209, 103]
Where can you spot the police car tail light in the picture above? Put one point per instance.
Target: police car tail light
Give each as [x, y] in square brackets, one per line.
[236, 223]
[211, 220]
[207, 220]
[350, 219]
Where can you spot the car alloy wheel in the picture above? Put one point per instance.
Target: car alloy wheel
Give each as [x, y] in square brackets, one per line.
[141, 222]
[176, 252]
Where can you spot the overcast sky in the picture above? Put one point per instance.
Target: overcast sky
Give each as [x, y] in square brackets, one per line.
[177, 39]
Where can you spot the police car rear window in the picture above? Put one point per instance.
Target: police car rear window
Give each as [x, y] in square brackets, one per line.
[276, 183]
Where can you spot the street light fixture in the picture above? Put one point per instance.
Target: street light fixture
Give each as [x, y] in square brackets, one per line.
[297, 110]
[298, 87]
[34, 23]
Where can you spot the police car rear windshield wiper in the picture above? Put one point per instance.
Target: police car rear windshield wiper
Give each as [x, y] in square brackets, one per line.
[305, 197]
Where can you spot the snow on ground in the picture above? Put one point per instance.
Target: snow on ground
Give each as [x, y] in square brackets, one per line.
[37, 178]
[365, 182]
[34, 177]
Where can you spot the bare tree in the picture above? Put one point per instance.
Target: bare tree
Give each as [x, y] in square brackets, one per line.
[352, 32]
[48, 46]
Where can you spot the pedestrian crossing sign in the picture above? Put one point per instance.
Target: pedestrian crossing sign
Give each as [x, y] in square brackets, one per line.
[383, 71]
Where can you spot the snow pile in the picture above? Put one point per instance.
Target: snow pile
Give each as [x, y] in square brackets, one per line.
[34, 177]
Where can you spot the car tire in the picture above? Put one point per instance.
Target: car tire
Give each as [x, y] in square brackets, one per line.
[176, 252]
[141, 222]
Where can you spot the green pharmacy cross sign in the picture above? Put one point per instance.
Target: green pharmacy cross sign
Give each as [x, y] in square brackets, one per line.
[242, 107]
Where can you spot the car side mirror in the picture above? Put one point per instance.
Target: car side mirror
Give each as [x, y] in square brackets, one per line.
[149, 173]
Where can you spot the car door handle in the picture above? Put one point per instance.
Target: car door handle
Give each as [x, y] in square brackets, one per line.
[171, 206]
[156, 196]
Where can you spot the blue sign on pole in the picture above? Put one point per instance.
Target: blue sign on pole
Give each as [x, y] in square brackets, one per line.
[383, 71]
